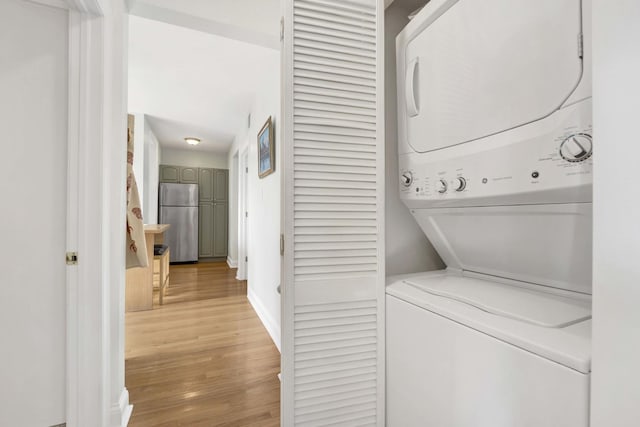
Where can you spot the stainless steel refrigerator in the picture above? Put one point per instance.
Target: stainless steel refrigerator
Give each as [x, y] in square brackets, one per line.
[179, 207]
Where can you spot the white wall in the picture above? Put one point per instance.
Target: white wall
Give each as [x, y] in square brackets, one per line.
[194, 158]
[146, 161]
[139, 156]
[151, 175]
[263, 205]
[33, 119]
[616, 271]
[407, 248]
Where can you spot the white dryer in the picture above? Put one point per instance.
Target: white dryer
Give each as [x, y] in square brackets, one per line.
[494, 118]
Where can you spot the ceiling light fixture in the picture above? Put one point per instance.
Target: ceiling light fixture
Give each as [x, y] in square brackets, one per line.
[192, 141]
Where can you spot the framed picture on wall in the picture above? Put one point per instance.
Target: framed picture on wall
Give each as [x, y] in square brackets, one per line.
[266, 150]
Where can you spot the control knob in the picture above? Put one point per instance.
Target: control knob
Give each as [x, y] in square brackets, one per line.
[406, 178]
[459, 183]
[576, 148]
[441, 186]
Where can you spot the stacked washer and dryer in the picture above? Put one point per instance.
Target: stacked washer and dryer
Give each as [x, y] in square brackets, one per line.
[495, 148]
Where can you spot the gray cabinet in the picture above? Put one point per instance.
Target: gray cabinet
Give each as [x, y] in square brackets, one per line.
[213, 213]
[188, 175]
[213, 233]
[178, 174]
[206, 229]
[220, 221]
[205, 184]
[169, 173]
[221, 185]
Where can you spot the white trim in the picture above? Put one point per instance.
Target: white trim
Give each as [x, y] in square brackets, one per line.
[381, 206]
[91, 7]
[287, 300]
[73, 214]
[243, 186]
[269, 322]
[60, 4]
[122, 410]
[232, 263]
[86, 364]
[95, 392]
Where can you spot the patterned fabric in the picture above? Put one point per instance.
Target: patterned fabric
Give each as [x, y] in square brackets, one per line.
[136, 244]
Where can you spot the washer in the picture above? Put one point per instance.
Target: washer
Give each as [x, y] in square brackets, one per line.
[495, 154]
[463, 351]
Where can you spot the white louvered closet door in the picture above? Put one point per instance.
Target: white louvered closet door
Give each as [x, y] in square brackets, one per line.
[333, 171]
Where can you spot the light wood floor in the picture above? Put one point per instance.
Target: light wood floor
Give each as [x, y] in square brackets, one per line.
[203, 358]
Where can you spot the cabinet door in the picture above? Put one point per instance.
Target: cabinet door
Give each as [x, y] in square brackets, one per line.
[205, 230]
[169, 173]
[205, 184]
[333, 294]
[220, 225]
[188, 175]
[221, 185]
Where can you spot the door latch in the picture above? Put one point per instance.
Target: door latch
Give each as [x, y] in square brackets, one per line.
[72, 258]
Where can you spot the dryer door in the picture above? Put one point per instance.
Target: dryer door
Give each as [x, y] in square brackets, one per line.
[483, 67]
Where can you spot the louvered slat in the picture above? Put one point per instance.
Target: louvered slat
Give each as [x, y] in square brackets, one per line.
[320, 388]
[335, 39]
[337, 169]
[323, 31]
[338, 10]
[365, 8]
[346, 139]
[331, 113]
[331, 18]
[334, 215]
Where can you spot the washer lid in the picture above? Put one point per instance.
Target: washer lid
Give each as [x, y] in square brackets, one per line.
[526, 305]
[547, 245]
[483, 67]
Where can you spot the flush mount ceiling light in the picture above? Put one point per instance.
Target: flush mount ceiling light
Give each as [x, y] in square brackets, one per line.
[192, 141]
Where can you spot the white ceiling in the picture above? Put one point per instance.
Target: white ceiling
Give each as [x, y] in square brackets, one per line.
[253, 21]
[193, 83]
[194, 65]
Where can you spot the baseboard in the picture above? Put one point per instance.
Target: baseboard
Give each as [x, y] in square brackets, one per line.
[212, 259]
[232, 263]
[121, 411]
[269, 323]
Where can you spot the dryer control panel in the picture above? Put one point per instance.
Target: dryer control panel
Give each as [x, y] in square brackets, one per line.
[542, 162]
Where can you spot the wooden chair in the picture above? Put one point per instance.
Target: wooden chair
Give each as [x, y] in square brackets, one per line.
[161, 274]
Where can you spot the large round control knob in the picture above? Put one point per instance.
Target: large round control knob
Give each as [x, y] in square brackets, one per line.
[459, 183]
[576, 148]
[406, 178]
[441, 186]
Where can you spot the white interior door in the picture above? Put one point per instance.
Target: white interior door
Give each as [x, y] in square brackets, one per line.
[333, 169]
[33, 119]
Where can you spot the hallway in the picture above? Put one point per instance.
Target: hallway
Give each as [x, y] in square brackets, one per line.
[203, 358]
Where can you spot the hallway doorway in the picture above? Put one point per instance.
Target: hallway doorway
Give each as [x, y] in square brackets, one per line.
[204, 358]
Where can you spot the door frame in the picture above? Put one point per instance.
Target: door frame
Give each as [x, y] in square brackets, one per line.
[243, 206]
[96, 174]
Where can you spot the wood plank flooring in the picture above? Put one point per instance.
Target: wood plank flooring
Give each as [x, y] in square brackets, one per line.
[203, 358]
